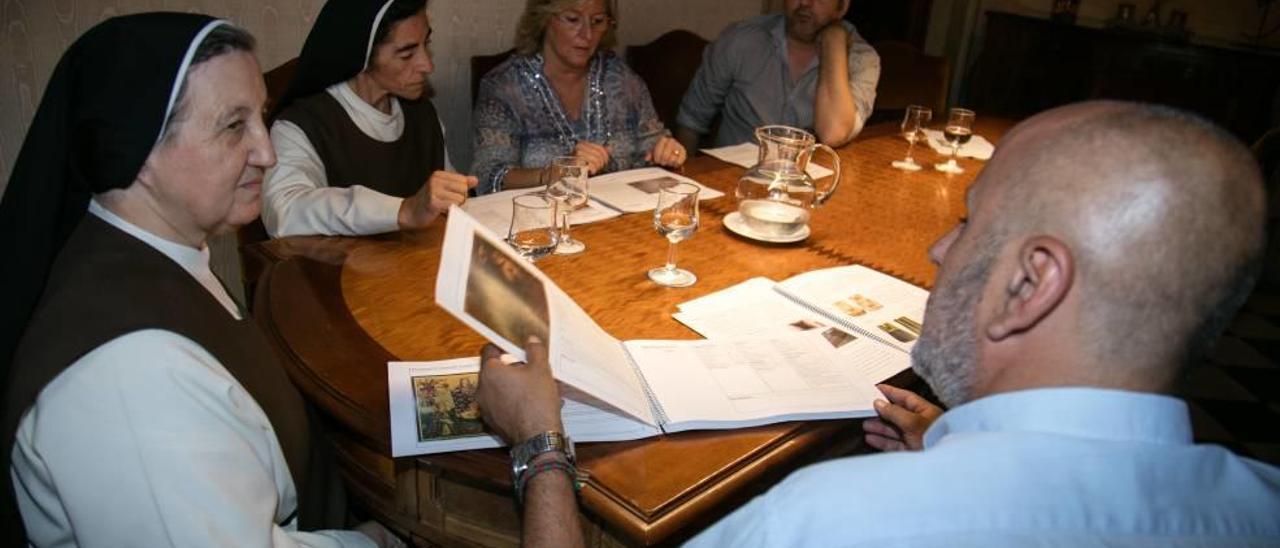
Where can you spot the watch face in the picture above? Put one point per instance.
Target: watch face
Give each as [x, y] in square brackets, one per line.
[537, 445]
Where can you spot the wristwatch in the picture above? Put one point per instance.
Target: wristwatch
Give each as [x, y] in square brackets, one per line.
[545, 442]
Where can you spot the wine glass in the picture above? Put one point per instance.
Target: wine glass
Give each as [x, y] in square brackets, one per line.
[567, 185]
[958, 131]
[676, 217]
[533, 226]
[913, 123]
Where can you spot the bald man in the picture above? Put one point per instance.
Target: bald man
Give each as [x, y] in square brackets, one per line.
[1106, 247]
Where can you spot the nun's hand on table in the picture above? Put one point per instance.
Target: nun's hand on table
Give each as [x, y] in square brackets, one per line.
[442, 190]
[596, 156]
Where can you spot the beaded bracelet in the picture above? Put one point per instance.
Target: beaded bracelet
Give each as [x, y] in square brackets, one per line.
[554, 464]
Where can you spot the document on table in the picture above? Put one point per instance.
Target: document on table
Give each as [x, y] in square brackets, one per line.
[749, 382]
[494, 210]
[863, 300]
[434, 410]
[756, 309]
[748, 155]
[636, 190]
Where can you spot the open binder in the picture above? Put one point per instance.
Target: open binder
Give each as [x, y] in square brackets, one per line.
[618, 390]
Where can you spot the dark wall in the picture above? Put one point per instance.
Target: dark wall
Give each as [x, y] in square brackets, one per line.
[879, 20]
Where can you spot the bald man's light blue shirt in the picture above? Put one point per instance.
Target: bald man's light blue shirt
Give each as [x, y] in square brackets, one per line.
[1048, 467]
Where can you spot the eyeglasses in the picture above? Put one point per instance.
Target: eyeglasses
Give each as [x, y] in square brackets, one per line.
[575, 21]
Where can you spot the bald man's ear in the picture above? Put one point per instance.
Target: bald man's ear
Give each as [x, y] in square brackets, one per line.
[1040, 283]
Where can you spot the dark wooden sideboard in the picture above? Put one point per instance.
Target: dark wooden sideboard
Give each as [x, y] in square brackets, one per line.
[1028, 65]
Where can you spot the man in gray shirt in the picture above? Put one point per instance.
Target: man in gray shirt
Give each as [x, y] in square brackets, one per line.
[807, 68]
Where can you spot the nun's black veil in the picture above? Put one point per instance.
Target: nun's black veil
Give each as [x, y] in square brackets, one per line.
[101, 115]
[337, 48]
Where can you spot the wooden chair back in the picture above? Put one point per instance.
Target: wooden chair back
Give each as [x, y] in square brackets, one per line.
[667, 66]
[481, 65]
[909, 77]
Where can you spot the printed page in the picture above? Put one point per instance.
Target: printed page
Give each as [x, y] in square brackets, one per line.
[877, 304]
[714, 384]
[488, 287]
[745, 310]
[494, 210]
[754, 309]
[748, 155]
[636, 190]
[433, 410]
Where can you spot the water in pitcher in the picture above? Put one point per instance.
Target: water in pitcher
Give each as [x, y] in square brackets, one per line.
[775, 199]
[773, 219]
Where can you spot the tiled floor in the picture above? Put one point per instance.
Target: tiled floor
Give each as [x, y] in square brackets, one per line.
[1235, 396]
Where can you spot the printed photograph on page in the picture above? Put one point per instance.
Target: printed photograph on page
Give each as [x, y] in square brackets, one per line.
[446, 406]
[504, 296]
[652, 186]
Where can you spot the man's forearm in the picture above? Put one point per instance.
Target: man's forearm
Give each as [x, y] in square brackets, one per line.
[551, 512]
[834, 111]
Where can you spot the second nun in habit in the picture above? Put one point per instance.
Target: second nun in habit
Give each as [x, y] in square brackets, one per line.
[361, 148]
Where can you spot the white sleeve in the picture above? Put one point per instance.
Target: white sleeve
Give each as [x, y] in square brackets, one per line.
[864, 77]
[149, 441]
[297, 199]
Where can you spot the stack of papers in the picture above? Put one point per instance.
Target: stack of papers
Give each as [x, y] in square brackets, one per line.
[748, 155]
[613, 194]
[636, 190]
[843, 304]
[494, 210]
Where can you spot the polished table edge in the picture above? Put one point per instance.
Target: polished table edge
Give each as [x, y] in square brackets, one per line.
[714, 491]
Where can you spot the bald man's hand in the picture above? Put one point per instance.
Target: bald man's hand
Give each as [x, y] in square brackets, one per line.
[904, 418]
[520, 400]
[442, 189]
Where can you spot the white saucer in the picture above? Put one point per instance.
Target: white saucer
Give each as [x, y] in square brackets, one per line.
[735, 224]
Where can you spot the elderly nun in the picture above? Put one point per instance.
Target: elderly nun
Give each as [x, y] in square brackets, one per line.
[141, 408]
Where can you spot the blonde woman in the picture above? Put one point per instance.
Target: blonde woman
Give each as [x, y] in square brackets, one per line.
[564, 92]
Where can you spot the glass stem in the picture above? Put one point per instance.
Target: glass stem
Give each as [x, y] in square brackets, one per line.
[911, 145]
[564, 228]
[671, 257]
[955, 151]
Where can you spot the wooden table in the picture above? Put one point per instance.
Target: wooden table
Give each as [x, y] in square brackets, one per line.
[340, 308]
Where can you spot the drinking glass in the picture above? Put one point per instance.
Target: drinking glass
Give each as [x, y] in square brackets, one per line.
[913, 123]
[676, 217]
[533, 226]
[567, 185]
[958, 131]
